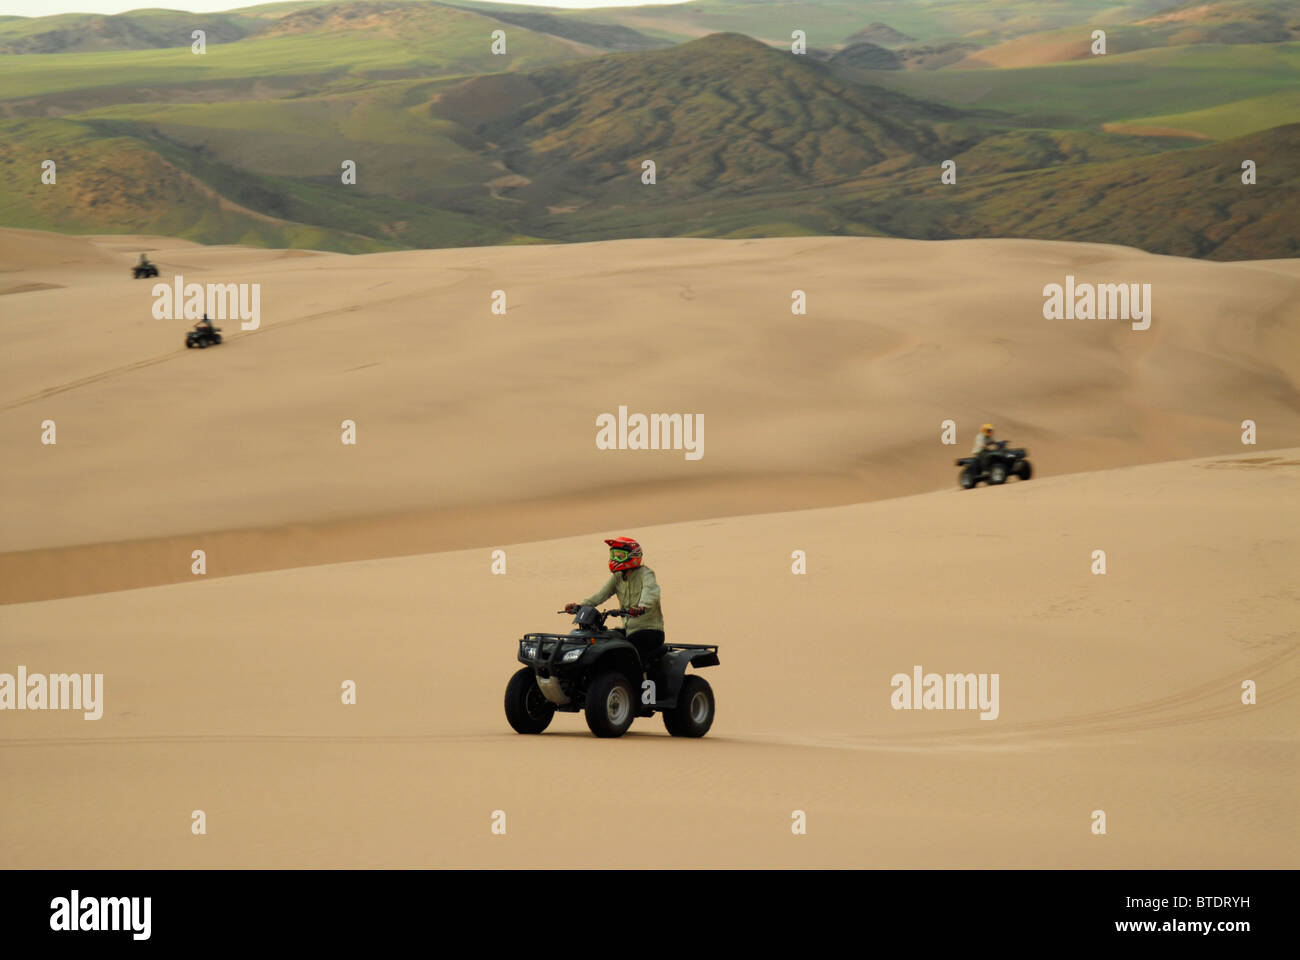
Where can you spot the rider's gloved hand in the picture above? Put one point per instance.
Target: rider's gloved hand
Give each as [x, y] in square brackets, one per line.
[636, 611]
[571, 607]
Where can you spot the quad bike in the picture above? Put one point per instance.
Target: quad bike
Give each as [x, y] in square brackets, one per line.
[201, 338]
[597, 670]
[144, 270]
[1002, 463]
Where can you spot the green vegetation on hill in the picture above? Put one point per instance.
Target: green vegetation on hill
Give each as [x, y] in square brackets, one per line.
[455, 146]
[1188, 202]
[605, 36]
[413, 19]
[110, 184]
[1224, 121]
[1117, 88]
[720, 115]
[305, 47]
[137, 30]
[834, 22]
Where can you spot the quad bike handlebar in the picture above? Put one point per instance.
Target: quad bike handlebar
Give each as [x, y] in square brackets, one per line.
[602, 613]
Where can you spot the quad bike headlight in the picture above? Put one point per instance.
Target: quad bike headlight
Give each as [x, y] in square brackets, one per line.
[572, 655]
[530, 650]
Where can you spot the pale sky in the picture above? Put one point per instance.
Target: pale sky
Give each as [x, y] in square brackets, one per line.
[42, 8]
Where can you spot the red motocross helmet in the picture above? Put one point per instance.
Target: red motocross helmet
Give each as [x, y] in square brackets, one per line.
[624, 554]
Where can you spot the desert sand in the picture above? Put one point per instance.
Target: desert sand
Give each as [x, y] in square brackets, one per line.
[372, 563]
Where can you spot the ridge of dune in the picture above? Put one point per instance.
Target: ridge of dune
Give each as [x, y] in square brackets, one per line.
[466, 414]
[470, 424]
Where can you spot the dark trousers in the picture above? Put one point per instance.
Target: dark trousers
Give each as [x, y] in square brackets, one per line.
[647, 642]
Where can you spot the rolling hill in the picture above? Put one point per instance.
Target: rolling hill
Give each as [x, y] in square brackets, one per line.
[456, 146]
[719, 115]
[840, 22]
[160, 29]
[1238, 22]
[137, 30]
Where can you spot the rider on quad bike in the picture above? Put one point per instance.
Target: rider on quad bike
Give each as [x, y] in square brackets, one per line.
[638, 594]
[610, 674]
[144, 268]
[203, 335]
[984, 443]
[992, 462]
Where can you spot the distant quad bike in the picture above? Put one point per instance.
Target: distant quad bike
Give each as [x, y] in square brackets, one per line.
[141, 270]
[201, 338]
[1002, 463]
[598, 670]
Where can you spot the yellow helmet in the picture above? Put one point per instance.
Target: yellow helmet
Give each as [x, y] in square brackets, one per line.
[987, 429]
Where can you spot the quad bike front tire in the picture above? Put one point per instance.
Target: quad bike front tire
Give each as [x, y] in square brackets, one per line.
[968, 479]
[527, 709]
[611, 705]
[216, 338]
[1023, 470]
[997, 474]
[189, 344]
[693, 715]
[203, 343]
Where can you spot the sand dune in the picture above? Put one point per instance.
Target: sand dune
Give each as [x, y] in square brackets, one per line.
[1118, 693]
[475, 429]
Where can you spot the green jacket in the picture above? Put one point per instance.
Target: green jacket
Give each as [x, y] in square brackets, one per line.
[635, 588]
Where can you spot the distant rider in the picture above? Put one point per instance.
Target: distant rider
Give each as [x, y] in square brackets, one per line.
[204, 325]
[638, 594]
[984, 445]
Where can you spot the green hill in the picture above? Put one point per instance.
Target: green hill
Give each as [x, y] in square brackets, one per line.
[1188, 202]
[137, 30]
[453, 145]
[720, 115]
[308, 49]
[1117, 88]
[836, 22]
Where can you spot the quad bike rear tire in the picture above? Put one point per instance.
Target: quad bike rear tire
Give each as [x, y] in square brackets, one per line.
[693, 715]
[997, 474]
[611, 705]
[527, 709]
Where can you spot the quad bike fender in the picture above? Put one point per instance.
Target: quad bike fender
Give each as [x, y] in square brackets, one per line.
[669, 673]
[619, 655]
